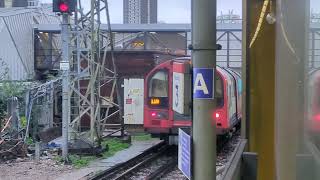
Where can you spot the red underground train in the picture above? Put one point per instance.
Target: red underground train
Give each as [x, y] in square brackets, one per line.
[161, 120]
[314, 103]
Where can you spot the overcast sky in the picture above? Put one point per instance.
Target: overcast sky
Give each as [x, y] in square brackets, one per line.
[178, 11]
[169, 11]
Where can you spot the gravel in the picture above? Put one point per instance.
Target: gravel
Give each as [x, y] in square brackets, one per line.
[47, 168]
[25, 169]
[176, 174]
[144, 172]
[222, 158]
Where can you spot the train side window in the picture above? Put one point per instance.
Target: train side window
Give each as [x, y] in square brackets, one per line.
[219, 91]
[158, 91]
[159, 84]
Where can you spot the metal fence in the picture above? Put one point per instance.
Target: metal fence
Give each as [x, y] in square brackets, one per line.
[314, 48]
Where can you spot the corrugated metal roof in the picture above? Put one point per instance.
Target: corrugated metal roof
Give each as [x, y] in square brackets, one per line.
[17, 39]
[9, 56]
[14, 11]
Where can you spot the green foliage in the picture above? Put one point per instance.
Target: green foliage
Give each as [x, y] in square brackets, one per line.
[141, 137]
[29, 141]
[78, 161]
[115, 145]
[10, 89]
[81, 161]
[58, 159]
[3, 108]
[4, 73]
[23, 121]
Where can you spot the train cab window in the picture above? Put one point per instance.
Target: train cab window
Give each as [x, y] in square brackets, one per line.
[219, 91]
[158, 89]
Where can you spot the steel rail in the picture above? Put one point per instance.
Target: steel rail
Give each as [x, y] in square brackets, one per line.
[163, 170]
[143, 163]
[111, 172]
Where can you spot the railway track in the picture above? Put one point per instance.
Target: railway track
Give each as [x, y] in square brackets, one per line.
[151, 164]
[161, 161]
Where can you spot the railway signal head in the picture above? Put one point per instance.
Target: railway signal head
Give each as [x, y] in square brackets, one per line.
[64, 6]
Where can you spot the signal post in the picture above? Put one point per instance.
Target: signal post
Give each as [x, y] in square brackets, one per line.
[204, 61]
[66, 8]
[64, 66]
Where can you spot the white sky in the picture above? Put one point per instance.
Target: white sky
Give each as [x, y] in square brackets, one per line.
[169, 11]
[178, 11]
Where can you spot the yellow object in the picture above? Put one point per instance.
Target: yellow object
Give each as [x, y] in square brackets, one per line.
[155, 101]
[260, 22]
[260, 59]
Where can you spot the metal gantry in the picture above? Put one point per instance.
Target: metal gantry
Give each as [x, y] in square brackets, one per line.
[93, 74]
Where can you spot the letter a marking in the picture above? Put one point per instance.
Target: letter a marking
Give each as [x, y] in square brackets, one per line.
[200, 84]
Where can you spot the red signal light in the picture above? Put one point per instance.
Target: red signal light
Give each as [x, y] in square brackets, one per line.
[63, 7]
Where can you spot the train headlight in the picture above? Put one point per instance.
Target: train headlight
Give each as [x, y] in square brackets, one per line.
[217, 116]
[153, 114]
[160, 115]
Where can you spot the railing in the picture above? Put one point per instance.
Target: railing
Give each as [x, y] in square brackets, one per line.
[229, 56]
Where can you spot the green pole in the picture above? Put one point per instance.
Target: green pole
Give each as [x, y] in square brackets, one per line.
[204, 56]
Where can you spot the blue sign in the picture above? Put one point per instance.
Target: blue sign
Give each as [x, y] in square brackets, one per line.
[203, 82]
[240, 85]
[184, 153]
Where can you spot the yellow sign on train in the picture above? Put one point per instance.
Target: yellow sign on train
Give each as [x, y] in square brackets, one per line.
[155, 101]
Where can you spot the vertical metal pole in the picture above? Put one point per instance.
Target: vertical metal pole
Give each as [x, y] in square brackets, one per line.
[99, 76]
[186, 43]
[313, 40]
[115, 70]
[145, 39]
[204, 56]
[37, 151]
[245, 130]
[228, 49]
[92, 81]
[78, 61]
[65, 84]
[50, 49]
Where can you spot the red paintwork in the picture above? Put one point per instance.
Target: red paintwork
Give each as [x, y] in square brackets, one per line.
[314, 117]
[167, 126]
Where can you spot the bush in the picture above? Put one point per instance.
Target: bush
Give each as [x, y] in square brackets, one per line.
[10, 89]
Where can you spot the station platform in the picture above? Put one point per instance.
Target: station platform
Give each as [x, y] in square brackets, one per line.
[136, 148]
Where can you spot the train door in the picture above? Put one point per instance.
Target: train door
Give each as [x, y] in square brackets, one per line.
[219, 94]
[238, 91]
[231, 99]
[181, 92]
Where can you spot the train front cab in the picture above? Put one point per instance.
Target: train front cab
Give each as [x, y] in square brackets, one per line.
[313, 122]
[160, 119]
[227, 94]
[157, 114]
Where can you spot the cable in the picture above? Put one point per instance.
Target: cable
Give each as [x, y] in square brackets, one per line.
[261, 19]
